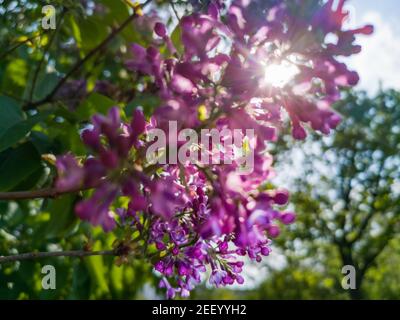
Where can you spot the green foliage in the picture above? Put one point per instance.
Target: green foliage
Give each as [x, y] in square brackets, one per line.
[148, 104]
[61, 222]
[176, 39]
[33, 61]
[95, 103]
[10, 114]
[18, 165]
[18, 131]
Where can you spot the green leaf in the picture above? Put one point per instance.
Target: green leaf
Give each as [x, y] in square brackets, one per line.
[80, 281]
[115, 14]
[95, 103]
[117, 11]
[93, 31]
[17, 74]
[147, 101]
[31, 181]
[46, 84]
[117, 278]
[97, 271]
[76, 32]
[18, 131]
[18, 164]
[62, 216]
[176, 38]
[42, 142]
[10, 113]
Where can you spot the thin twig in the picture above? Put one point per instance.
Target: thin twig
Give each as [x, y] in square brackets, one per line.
[37, 255]
[35, 194]
[7, 94]
[7, 52]
[175, 11]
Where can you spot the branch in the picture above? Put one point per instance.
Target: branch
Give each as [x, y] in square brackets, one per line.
[365, 222]
[363, 226]
[175, 11]
[8, 51]
[371, 258]
[42, 193]
[37, 255]
[80, 63]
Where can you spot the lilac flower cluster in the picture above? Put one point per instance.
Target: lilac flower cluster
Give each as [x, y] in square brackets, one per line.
[195, 218]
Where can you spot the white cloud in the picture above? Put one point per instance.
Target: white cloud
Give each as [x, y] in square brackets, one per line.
[379, 60]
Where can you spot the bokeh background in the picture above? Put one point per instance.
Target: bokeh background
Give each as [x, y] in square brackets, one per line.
[345, 188]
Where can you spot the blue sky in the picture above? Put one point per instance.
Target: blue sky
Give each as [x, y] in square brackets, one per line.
[379, 59]
[387, 7]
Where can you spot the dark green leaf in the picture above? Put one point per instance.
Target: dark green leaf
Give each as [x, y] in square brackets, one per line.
[46, 84]
[147, 102]
[18, 131]
[17, 165]
[95, 103]
[176, 38]
[10, 113]
[62, 216]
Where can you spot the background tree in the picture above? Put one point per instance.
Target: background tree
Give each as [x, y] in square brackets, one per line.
[348, 195]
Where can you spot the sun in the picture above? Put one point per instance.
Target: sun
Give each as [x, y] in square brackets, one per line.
[279, 74]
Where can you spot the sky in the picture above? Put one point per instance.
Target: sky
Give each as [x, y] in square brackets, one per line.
[379, 59]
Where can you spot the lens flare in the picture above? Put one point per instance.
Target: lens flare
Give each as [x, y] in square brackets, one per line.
[279, 75]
